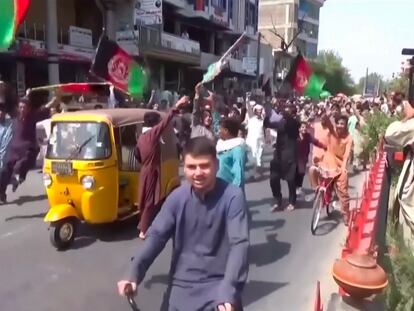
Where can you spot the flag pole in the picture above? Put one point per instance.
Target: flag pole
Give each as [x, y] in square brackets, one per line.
[232, 48]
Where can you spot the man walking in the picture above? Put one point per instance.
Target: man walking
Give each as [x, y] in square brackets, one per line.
[207, 220]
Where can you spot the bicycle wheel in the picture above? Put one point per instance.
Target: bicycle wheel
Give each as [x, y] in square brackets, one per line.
[316, 210]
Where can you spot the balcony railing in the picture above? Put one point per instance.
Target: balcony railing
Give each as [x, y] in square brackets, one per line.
[151, 38]
[180, 44]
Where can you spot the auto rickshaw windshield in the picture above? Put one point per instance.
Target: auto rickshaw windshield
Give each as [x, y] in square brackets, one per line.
[79, 141]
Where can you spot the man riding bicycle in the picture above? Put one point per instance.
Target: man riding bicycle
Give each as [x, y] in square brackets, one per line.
[339, 146]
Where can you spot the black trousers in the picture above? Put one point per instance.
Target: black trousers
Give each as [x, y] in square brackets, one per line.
[299, 179]
[16, 164]
[275, 177]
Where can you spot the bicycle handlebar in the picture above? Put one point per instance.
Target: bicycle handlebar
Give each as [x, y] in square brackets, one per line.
[129, 293]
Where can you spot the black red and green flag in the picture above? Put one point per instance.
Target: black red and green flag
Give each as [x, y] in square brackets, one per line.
[303, 80]
[116, 66]
[12, 13]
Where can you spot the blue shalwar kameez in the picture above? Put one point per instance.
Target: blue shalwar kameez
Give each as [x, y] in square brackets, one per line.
[210, 247]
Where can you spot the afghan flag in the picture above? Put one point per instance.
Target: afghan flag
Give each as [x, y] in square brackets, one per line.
[216, 68]
[12, 13]
[116, 66]
[303, 80]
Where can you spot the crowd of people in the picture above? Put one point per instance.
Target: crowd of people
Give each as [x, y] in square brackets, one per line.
[207, 217]
[222, 145]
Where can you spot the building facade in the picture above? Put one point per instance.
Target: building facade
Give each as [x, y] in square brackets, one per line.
[296, 20]
[177, 39]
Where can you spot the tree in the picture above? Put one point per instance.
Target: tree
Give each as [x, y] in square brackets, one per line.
[373, 79]
[328, 64]
[398, 84]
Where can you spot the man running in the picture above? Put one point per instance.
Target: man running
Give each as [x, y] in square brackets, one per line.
[207, 220]
[339, 146]
[22, 150]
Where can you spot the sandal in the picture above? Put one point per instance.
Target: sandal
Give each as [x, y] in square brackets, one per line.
[275, 208]
[290, 207]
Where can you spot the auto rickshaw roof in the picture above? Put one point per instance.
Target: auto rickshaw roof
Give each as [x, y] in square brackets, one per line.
[117, 117]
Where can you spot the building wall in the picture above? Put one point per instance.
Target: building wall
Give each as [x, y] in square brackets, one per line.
[284, 15]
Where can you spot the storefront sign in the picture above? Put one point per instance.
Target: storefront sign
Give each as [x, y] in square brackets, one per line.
[148, 12]
[80, 37]
[249, 64]
[37, 49]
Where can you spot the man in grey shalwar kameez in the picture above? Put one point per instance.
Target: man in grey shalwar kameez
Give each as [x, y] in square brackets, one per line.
[207, 220]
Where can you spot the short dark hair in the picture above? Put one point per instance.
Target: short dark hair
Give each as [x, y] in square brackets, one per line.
[232, 125]
[200, 146]
[151, 118]
[336, 106]
[341, 117]
[24, 100]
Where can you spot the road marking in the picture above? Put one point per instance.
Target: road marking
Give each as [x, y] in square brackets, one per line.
[11, 233]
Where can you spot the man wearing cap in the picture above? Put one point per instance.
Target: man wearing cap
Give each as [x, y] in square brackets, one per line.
[255, 139]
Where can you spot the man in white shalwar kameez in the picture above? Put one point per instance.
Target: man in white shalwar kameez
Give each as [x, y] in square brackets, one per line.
[255, 139]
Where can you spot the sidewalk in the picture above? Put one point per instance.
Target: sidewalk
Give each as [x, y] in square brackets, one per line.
[329, 289]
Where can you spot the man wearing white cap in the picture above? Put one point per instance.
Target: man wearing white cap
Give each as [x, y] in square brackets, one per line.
[255, 139]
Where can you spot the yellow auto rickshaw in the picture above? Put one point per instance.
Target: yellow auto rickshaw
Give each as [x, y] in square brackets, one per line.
[90, 170]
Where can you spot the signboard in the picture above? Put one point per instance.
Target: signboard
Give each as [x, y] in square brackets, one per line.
[37, 49]
[80, 37]
[249, 64]
[148, 12]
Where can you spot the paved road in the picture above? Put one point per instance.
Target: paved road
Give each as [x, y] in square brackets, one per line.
[286, 260]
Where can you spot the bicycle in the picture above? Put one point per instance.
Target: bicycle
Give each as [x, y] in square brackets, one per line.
[323, 196]
[129, 294]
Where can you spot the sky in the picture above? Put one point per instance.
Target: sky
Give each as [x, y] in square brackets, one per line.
[368, 33]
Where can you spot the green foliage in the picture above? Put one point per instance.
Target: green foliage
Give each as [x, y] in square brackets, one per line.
[374, 129]
[398, 84]
[328, 64]
[399, 295]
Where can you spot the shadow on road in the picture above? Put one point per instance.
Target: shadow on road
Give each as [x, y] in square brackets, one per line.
[266, 201]
[327, 225]
[256, 290]
[17, 217]
[114, 232]
[27, 199]
[267, 225]
[269, 252]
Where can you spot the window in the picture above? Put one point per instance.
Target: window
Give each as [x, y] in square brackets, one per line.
[79, 141]
[128, 140]
[219, 4]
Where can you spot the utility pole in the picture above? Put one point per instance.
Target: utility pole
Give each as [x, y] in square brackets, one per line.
[364, 91]
[51, 42]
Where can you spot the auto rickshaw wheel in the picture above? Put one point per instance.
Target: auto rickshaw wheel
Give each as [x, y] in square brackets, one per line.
[62, 233]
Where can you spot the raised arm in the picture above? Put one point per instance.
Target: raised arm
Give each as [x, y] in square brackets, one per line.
[196, 120]
[326, 122]
[156, 132]
[237, 261]
[249, 108]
